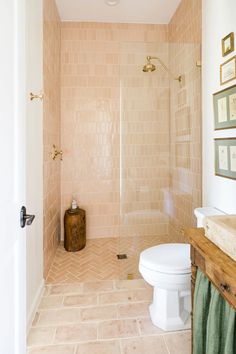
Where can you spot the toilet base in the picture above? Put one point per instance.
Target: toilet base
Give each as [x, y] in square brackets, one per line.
[170, 309]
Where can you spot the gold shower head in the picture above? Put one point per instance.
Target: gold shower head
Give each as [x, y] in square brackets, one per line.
[149, 67]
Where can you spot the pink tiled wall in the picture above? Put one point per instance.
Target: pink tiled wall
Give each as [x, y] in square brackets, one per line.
[185, 116]
[101, 75]
[51, 131]
[144, 137]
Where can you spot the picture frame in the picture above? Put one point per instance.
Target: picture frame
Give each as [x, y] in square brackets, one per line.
[225, 157]
[224, 103]
[228, 70]
[227, 44]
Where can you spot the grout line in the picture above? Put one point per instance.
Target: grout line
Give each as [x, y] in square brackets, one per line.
[82, 286]
[121, 346]
[167, 348]
[54, 335]
[139, 328]
[75, 348]
[118, 339]
[97, 305]
[98, 332]
[36, 324]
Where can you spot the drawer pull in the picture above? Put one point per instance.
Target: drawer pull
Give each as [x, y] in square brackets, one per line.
[225, 287]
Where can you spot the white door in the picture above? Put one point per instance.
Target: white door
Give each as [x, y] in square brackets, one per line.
[20, 168]
[34, 154]
[12, 178]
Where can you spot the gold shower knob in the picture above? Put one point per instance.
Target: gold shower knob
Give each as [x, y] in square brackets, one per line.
[39, 96]
[56, 153]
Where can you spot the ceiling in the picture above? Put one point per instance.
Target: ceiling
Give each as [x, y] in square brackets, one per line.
[126, 11]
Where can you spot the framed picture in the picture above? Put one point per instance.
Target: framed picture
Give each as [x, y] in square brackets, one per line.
[225, 108]
[228, 71]
[225, 157]
[228, 44]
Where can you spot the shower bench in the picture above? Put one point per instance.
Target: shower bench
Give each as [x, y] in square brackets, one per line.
[214, 263]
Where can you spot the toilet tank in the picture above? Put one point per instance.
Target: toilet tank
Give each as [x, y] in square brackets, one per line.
[201, 213]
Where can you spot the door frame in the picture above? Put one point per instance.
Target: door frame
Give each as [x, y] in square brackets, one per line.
[12, 177]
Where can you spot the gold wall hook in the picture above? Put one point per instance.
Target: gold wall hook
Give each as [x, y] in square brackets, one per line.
[39, 96]
[198, 63]
[56, 153]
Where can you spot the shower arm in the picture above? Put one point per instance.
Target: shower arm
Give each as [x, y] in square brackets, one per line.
[179, 78]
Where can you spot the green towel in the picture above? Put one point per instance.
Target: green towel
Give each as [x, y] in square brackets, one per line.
[221, 326]
[214, 327]
[202, 297]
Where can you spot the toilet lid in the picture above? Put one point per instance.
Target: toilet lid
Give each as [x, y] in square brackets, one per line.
[171, 258]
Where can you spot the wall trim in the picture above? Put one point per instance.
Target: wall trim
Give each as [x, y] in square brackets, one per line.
[34, 306]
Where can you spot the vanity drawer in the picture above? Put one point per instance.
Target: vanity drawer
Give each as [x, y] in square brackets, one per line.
[222, 282]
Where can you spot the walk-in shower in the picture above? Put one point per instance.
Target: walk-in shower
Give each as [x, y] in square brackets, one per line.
[159, 130]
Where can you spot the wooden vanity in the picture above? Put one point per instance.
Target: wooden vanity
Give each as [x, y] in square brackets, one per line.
[215, 264]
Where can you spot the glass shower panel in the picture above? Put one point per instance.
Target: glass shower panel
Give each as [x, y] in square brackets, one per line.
[144, 153]
[185, 137]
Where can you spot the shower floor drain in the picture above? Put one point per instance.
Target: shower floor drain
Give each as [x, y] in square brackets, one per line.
[130, 276]
[122, 256]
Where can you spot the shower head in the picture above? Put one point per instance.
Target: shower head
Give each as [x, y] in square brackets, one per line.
[149, 67]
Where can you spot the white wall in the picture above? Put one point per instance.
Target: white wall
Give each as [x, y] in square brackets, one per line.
[218, 21]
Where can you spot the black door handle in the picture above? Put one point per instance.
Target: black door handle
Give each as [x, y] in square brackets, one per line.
[25, 218]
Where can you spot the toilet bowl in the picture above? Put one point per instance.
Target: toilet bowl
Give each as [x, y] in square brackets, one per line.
[167, 268]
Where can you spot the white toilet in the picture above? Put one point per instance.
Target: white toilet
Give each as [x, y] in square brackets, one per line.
[167, 268]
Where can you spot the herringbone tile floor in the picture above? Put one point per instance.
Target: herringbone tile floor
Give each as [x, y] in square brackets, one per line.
[98, 260]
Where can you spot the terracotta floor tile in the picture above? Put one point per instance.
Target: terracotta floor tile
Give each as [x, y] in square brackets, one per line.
[87, 309]
[98, 260]
[76, 333]
[58, 317]
[127, 284]
[117, 329]
[51, 302]
[145, 345]
[147, 328]
[99, 313]
[80, 300]
[41, 336]
[60, 289]
[133, 310]
[125, 296]
[107, 347]
[178, 342]
[98, 286]
[54, 349]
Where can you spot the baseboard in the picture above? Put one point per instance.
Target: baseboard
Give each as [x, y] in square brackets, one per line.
[34, 306]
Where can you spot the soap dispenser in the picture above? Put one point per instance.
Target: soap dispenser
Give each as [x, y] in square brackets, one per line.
[74, 204]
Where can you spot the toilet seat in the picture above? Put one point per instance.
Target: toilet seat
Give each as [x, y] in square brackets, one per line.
[172, 258]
